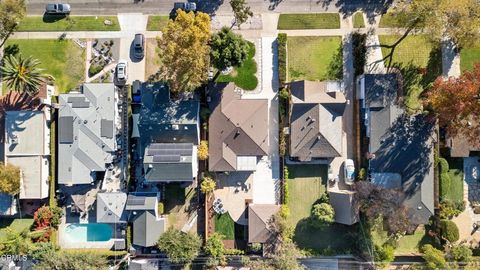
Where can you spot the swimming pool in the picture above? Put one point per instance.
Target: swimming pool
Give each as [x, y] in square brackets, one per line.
[91, 232]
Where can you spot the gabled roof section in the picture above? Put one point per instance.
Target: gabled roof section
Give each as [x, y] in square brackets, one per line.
[237, 127]
[170, 162]
[110, 206]
[86, 129]
[142, 201]
[316, 125]
[147, 229]
[259, 217]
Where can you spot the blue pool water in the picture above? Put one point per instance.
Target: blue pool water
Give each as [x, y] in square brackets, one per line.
[92, 232]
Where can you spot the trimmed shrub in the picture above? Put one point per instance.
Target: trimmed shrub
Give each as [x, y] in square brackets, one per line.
[202, 152]
[461, 253]
[94, 69]
[449, 230]
[282, 144]
[384, 255]
[284, 94]
[445, 183]
[233, 251]
[160, 208]
[434, 258]
[282, 58]
[284, 211]
[443, 165]
[361, 174]
[450, 209]
[322, 214]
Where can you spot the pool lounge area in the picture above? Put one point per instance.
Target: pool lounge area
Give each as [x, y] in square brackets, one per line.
[89, 235]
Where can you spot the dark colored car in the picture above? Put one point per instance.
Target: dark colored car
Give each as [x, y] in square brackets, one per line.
[139, 46]
[186, 6]
[57, 9]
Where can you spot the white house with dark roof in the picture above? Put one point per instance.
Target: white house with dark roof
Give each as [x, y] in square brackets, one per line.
[87, 133]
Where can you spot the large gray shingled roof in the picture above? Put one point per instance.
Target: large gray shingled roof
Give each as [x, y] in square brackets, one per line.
[86, 132]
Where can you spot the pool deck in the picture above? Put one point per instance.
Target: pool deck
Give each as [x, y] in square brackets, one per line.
[89, 244]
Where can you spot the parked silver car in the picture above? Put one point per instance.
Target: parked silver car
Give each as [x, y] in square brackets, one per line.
[57, 9]
[121, 71]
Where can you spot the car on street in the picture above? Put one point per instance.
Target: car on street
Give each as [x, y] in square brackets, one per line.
[139, 46]
[349, 169]
[121, 71]
[185, 6]
[57, 9]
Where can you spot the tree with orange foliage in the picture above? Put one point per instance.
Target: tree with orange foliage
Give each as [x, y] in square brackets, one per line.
[456, 104]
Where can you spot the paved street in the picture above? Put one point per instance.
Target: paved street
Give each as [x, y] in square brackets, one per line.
[106, 7]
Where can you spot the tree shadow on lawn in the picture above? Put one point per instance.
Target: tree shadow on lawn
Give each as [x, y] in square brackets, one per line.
[48, 18]
[329, 240]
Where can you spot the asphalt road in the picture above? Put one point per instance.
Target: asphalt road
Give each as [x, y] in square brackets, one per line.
[107, 7]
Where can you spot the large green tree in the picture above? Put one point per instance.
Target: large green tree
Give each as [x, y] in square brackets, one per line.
[322, 214]
[9, 179]
[22, 74]
[180, 247]
[184, 51]
[458, 21]
[11, 13]
[228, 49]
[241, 12]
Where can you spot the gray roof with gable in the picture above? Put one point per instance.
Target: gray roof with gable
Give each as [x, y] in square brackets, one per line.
[110, 206]
[147, 229]
[142, 201]
[402, 145]
[316, 121]
[86, 132]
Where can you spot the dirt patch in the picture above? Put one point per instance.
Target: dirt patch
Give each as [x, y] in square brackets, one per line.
[152, 60]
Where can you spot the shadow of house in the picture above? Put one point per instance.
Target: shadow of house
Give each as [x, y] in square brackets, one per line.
[169, 135]
[400, 150]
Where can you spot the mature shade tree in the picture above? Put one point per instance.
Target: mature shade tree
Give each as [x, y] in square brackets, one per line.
[456, 104]
[184, 51]
[434, 258]
[458, 21]
[11, 13]
[241, 12]
[322, 214]
[22, 74]
[9, 179]
[72, 261]
[227, 49]
[375, 202]
[180, 247]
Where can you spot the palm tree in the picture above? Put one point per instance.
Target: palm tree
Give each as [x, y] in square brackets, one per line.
[22, 74]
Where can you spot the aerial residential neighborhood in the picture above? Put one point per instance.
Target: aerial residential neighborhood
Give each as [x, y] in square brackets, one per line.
[239, 134]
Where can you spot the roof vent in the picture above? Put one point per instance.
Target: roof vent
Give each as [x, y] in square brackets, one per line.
[419, 207]
[85, 121]
[314, 120]
[150, 166]
[175, 127]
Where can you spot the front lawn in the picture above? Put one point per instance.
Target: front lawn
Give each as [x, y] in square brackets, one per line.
[311, 58]
[64, 59]
[157, 23]
[454, 192]
[17, 225]
[68, 23]
[469, 56]
[414, 49]
[244, 76]
[225, 225]
[358, 21]
[309, 21]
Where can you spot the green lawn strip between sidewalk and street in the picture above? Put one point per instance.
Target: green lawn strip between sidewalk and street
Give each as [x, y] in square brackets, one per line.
[469, 56]
[358, 21]
[68, 23]
[309, 21]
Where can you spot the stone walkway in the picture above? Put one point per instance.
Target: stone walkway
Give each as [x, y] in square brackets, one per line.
[450, 60]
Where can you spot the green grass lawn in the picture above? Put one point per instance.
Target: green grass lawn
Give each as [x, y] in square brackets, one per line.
[64, 60]
[455, 190]
[414, 49]
[389, 21]
[17, 225]
[309, 58]
[469, 57]
[157, 23]
[309, 21]
[225, 225]
[245, 75]
[70, 23]
[358, 21]
[407, 244]
[306, 184]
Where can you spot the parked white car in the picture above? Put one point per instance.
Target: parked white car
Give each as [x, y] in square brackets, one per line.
[121, 71]
[349, 169]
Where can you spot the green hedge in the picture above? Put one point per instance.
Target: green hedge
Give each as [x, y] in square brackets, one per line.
[53, 134]
[444, 168]
[282, 58]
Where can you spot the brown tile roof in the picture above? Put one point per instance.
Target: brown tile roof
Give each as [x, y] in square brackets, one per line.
[461, 146]
[316, 123]
[237, 127]
[259, 217]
